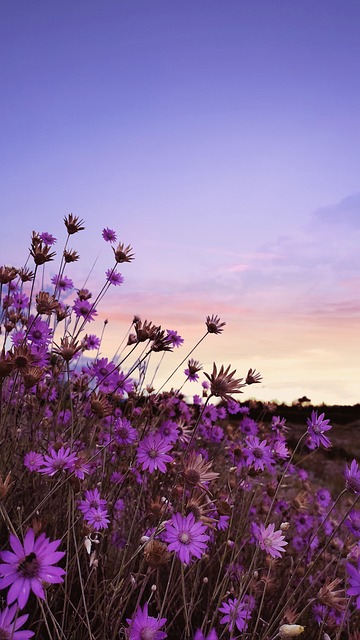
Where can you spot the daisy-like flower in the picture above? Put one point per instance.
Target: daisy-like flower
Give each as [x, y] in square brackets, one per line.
[270, 540]
[352, 477]
[257, 453]
[174, 337]
[123, 431]
[109, 235]
[73, 224]
[214, 324]
[62, 283]
[97, 518]
[92, 500]
[186, 537]
[83, 309]
[353, 522]
[237, 613]
[122, 253]
[28, 566]
[33, 461]
[316, 428]
[354, 580]
[222, 383]
[61, 460]
[152, 453]
[47, 238]
[192, 370]
[91, 342]
[114, 278]
[145, 627]
[212, 635]
[9, 628]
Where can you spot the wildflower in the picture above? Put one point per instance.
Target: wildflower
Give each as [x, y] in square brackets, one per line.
[353, 522]
[33, 461]
[25, 274]
[270, 540]
[73, 224]
[156, 553]
[70, 256]
[186, 537]
[109, 235]
[21, 357]
[123, 431]
[212, 635]
[161, 342]
[354, 580]
[61, 460]
[323, 497]
[145, 627]
[28, 566]
[192, 370]
[39, 332]
[222, 384]
[145, 330]
[46, 303]
[92, 500]
[152, 453]
[47, 238]
[84, 309]
[316, 428]
[68, 348]
[237, 613]
[62, 283]
[9, 626]
[114, 278]
[253, 377]
[122, 253]
[214, 324]
[91, 342]
[352, 477]
[257, 453]
[41, 253]
[97, 518]
[197, 471]
[174, 337]
[329, 596]
[7, 274]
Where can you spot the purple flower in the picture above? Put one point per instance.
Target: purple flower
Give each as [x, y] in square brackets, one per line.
[9, 627]
[39, 332]
[61, 460]
[62, 283]
[269, 540]
[323, 497]
[145, 627]
[28, 566]
[175, 339]
[248, 426]
[47, 238]
[91, 342]
[83, 309]
[33, 461]
[316, 428]
[92, 500]
[109, 235]
[113, 277]
[352, 477]
[123, 431]
[186, 537]
[353, 522]
[257, 453]
[237, 613]
[152, 453]
[354, 580]
[212, 635]
[97, 518]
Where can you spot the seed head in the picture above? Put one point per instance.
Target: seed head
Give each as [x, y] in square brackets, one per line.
[253, 377]
[7, 274]
[156, 553]
[214, 324]
[70, 256]
[222, 384]
[39, 251]
[73, 224]
[122, 253]
[46, 303]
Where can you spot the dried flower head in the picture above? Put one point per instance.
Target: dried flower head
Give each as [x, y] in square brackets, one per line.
[70, 256]
[39, 251]
[73, 224]
[100, 405]
[122, 253]
[222, 384]
[21, 357]
[32, 376]
[330, 597]
[156, 553]
[253, 377]
[7, 274]
[196, 471]
[162, 342]
[25, 274]
[84, 294]
[46, 303]
[214, 324]
[67, 349]
[145, 330]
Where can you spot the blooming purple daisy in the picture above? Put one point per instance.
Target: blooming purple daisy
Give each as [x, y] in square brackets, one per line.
[83, 309]
[61, 460]
[109, 235]
[47, 238]
[97, 518]
[28, 566]
[91, 342]
[152, 452]
[174, 337]
[145, 627]
[185, 536]
[39, 332]
[62, 283]
[113, 277]
[354, 580]
[269, 540]
[237, 613]
[353, 522]
[92, 500]
[316, 428]
[257, 453]
[33, 461]
[123, 431]
[323, 497]
[9, 627]
[352, 477]
[212, 635]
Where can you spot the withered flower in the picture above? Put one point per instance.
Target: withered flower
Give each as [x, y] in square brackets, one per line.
[70, 256]
[145, 330]
[156, 553]
[84, 294]
[194, 367]
[67, 349]
[32, 376]
[330, 597]
[39, 251]
[46, 303]
[21, 357]
[100, 405]
[73, 224]
[222, 384]
[7, 274]
[6, 365]
[214, 324]
[162, 342]
[253, 377]
[202, 509]
[132, 339]
[62, 312]
[25, 274]
[122, 253]
[196, 471]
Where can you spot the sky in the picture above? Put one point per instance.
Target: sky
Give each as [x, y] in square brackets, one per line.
[221, 140]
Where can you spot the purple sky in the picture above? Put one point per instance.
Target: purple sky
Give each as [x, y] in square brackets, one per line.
[221, 140]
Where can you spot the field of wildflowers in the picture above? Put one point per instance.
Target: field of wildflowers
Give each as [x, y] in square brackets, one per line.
[129, 513]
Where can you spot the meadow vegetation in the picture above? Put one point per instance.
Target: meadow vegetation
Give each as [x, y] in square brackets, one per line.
[127, 512]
